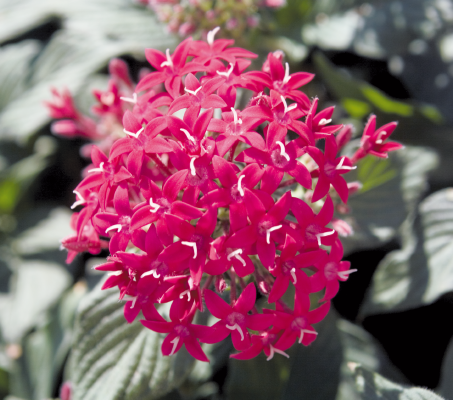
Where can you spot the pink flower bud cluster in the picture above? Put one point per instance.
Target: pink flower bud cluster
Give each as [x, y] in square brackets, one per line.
[191, 200]
[198, 16]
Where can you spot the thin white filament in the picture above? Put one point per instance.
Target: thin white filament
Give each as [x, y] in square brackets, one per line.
[293, 274]
[302, 331]
[235, 254]
[236, 119]
[78, 202]
[132, 99]
[211, 35]
[381, 133]
[241, 191]
[287, 76]
[288, 108]
[193, 171]
[345, 274]
[100, 169]
[117, 226]
[194, 92]
[154, 205]
[189, 136]
[236, 326]
[169, 62]
[185, 292]
[228, 73]
[116, 273]
[268, 233]
[282, 150]
[175, 342]
[274, 350]
[135, 135]
[341, 166]
[321, 235]
[324, 122]
[194, 246]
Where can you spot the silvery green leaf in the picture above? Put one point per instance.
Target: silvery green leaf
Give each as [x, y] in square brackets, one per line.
[422, 270]
[391, 190]
[112, 359]
[372, 386]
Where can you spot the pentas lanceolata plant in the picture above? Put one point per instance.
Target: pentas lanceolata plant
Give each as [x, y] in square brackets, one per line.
[191, 206]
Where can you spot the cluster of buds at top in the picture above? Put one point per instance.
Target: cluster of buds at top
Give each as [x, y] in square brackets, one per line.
[198, 16]
[196, 204]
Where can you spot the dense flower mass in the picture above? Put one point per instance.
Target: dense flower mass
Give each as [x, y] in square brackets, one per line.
[190, 194]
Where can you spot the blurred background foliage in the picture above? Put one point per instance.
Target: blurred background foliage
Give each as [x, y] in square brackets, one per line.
[391, 325]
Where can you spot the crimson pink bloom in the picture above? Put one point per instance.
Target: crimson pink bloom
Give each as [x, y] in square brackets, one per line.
[330, 170]
[170, 68]
[234, 318]
[279, 158]
[263, 225]
[318, 123]
[312, 232]
[192, 248]
[331, 270]
[180, 331]
[287, 268]
[160, 202]
[372, 141]
[298, 324]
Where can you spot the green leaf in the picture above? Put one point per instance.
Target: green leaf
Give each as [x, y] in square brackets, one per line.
[372, 386]
[422, 270]
[112, 359]
[391, 189]
[34, 287]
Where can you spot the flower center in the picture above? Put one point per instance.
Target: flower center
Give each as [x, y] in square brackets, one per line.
[330, 271]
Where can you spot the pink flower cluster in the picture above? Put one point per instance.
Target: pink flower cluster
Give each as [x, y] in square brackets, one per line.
[199, 16]
[189, 196]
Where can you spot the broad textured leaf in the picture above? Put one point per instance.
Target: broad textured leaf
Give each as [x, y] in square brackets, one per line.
[422, 270]
[390, 192]
[372, 386]
[112, 359]
[34, 287]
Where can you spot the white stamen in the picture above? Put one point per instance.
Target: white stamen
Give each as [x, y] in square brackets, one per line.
[241, 191]
[274, 350]
[194, 246]
[345, 274]
[135, 135]
[321, 235]
[282, 150]
[381, 133]
[117, 226]
[236, 119]
[236, 253]
[129, 99]
[341, 166]
[78, 202]
[228, 73]
[324, 122]
[175, 342]
[211, 34]
[100, 169]
[189, 136]
[287, 77]
[116, 273]
[153, 272]
[194, 92]
[193, 171]
[288, 108]
[302, 331]
[185, 292]
[268, 232]
[293, 274]
[156, 206]
[134, 299]
[236, 326]
[169, 62]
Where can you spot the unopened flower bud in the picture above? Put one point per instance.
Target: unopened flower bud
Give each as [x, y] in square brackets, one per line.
[220, 284]
[344, 136]
[65, 128]
[342, 227]
[66, 391]
[354, 187]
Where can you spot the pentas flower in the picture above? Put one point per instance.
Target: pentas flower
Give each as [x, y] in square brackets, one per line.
[195, 204]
